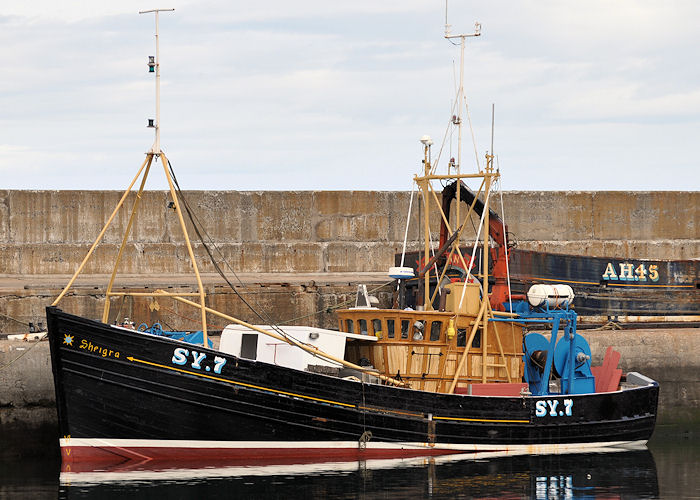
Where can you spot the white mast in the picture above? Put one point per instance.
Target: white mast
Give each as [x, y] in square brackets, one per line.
[156, 145]
[461, 99]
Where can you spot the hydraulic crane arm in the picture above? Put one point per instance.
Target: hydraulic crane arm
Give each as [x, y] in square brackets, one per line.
[497, 229]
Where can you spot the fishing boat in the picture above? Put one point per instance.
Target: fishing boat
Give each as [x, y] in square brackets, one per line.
[451, 375]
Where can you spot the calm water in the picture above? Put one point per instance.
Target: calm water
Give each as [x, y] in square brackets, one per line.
[669, 468]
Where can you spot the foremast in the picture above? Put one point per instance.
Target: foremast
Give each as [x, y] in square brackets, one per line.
[152, 155]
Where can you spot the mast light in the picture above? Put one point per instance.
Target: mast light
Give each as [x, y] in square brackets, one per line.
[151, 64]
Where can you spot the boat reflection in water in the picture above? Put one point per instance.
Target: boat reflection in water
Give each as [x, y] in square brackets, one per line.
[609, 473]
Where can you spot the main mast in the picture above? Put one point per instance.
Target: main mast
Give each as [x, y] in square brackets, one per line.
[155, 65]
[154, 153]
[488, 177]
[461, 98]
[428, 176]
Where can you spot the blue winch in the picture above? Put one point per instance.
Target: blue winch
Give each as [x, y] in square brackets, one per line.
[569, 357]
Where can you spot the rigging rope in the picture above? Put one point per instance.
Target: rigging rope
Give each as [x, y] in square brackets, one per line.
[408, 220]
[337, 306]
[197, 225]
[482, 286]
[471, 129]
[505, 238]
[449, 130]
[193, 320]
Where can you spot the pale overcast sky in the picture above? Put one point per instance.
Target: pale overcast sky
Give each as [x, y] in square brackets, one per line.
[315, 94]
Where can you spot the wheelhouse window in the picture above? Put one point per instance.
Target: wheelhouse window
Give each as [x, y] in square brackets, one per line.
[377, 328]
[349, 326]
[435, 329]
[363, 326]
[461, 337]
[390, 328]
[405, 326]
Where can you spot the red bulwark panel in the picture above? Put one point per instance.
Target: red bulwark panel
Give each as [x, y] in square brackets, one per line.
[607, 377]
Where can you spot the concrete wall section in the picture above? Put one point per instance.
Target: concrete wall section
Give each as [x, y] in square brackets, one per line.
[44, 236]
[641, 225]
[27, 396]
[604, 215]
[48, 232]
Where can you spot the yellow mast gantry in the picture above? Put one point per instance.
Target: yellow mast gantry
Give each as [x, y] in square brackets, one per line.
[488, 176]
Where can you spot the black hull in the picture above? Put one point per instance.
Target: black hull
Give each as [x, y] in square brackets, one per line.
[674, 292]
[661, 288]
[113, 384]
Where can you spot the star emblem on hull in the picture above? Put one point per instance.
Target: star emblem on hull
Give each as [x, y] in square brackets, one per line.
[68, 339]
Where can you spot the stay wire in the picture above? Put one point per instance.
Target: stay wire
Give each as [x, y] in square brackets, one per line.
[197, 225]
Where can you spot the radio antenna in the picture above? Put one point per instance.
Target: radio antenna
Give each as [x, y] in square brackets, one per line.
[493, 114]
[154, 65]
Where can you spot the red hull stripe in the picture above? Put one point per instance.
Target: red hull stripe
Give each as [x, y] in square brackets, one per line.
[115, 454]
[122, 451]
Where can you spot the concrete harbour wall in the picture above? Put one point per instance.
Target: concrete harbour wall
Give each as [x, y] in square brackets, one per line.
[48, 232]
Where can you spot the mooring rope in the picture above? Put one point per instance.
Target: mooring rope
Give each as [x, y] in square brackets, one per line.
[14, 319]
[22, 355]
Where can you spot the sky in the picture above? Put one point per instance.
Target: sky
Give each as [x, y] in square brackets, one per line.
[318, 95]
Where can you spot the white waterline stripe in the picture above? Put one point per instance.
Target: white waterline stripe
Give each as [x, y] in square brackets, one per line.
[376, 445]
[96, 477]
